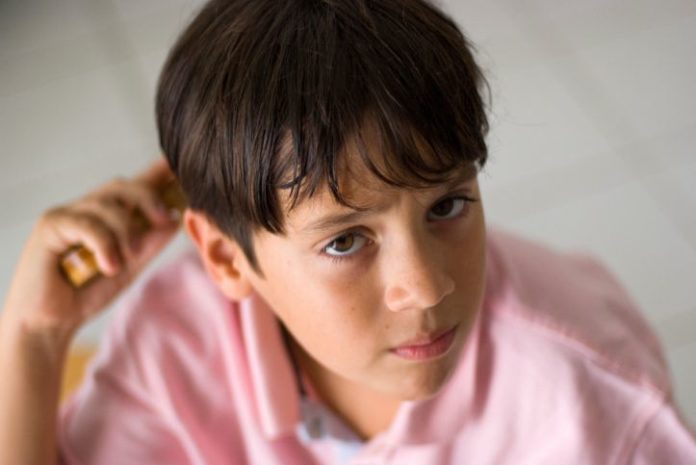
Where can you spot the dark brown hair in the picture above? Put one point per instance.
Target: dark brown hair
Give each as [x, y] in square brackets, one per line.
[249, 77]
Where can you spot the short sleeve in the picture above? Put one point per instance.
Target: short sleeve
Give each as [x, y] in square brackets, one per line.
[111, 425]
[164, 386]
[116, 416]
[666, 440]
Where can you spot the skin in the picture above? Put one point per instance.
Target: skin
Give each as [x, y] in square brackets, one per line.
[42, 311]
[414, 270]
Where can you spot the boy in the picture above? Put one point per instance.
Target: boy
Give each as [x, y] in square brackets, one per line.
[346, 303]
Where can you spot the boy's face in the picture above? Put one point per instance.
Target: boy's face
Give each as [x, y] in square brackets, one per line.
[410, 270]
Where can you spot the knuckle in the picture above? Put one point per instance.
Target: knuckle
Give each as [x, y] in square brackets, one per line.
[45, 221]
[51, 214]
[142, 189]
[116, 184]
[87, 203]
[89, 221]
[110, 203]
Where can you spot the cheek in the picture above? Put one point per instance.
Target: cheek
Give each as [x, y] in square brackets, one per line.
[468, 264]
[326, 312]
[345, 308]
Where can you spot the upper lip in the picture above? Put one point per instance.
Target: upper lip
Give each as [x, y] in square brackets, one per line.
[425, 339]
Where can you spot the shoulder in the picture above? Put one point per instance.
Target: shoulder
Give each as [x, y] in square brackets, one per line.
[174, 328]
[567, 349]
[178, 283]
[176, 302]
[572, 300]
[165, 362]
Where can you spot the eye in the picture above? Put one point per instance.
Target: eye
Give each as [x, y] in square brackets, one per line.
[345, 244]
[450, 208]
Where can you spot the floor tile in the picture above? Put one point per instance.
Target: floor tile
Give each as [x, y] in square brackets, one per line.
[35, 24]
[134, 10]
[498, 34]
[681, 362]
[537, 126]
[57, 60]
[38, 192]
[520, 196]
[12, 238]
[677, 330]
[65, 124]
[644, 79]
[626, 229]
[593, 22]
[146, 26]
[675, 191]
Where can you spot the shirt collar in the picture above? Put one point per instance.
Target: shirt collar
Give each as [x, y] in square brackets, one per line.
[271, 373]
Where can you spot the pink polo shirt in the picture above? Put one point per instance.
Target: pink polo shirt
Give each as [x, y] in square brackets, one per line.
[559, 369]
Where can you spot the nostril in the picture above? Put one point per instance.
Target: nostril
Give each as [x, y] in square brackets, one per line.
[396, 298]
[418, 294]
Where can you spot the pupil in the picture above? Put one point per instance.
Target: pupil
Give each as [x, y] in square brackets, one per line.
[344, 243]
[439, 210]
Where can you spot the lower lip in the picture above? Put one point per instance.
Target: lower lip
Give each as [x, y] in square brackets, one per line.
[427, 351]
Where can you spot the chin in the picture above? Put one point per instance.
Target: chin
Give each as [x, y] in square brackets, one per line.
[424, 382]
[420, 381]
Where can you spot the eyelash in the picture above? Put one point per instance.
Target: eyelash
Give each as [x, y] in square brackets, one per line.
[338, 259]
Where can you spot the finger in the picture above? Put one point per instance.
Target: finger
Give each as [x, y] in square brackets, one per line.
[157, 174]
[150, 244]
[137, 195]
[63, 228]
[129, 209]
[92, 296]
[116, 216]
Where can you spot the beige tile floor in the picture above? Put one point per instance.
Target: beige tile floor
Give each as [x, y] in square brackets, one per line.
[593, 145]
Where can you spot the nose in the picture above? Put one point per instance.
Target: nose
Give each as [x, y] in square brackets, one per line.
[416, 277]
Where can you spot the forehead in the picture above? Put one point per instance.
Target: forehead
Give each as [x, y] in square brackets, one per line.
[357, 184]
[362, 190]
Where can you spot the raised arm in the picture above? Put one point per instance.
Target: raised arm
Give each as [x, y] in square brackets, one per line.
[42, 310]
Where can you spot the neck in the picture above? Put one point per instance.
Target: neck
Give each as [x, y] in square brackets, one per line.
[366, 411]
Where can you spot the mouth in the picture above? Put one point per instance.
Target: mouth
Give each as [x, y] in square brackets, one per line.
[426, 347]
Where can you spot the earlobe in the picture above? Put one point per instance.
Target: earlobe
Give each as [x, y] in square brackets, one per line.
[222, 257]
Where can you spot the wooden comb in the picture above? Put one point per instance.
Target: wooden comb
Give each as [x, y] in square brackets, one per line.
[78, 263]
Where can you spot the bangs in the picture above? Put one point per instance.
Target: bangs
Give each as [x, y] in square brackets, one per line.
[350, 74]
[392, 151]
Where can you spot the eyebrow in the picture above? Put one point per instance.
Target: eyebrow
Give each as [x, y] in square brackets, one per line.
[353, 216]
[339, 219]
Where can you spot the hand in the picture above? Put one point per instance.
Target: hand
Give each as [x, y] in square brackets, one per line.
[41, 299]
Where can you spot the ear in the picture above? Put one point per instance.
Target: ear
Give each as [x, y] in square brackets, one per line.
[222, 257]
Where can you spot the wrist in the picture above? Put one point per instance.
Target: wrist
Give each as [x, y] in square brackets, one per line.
[44, 340]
